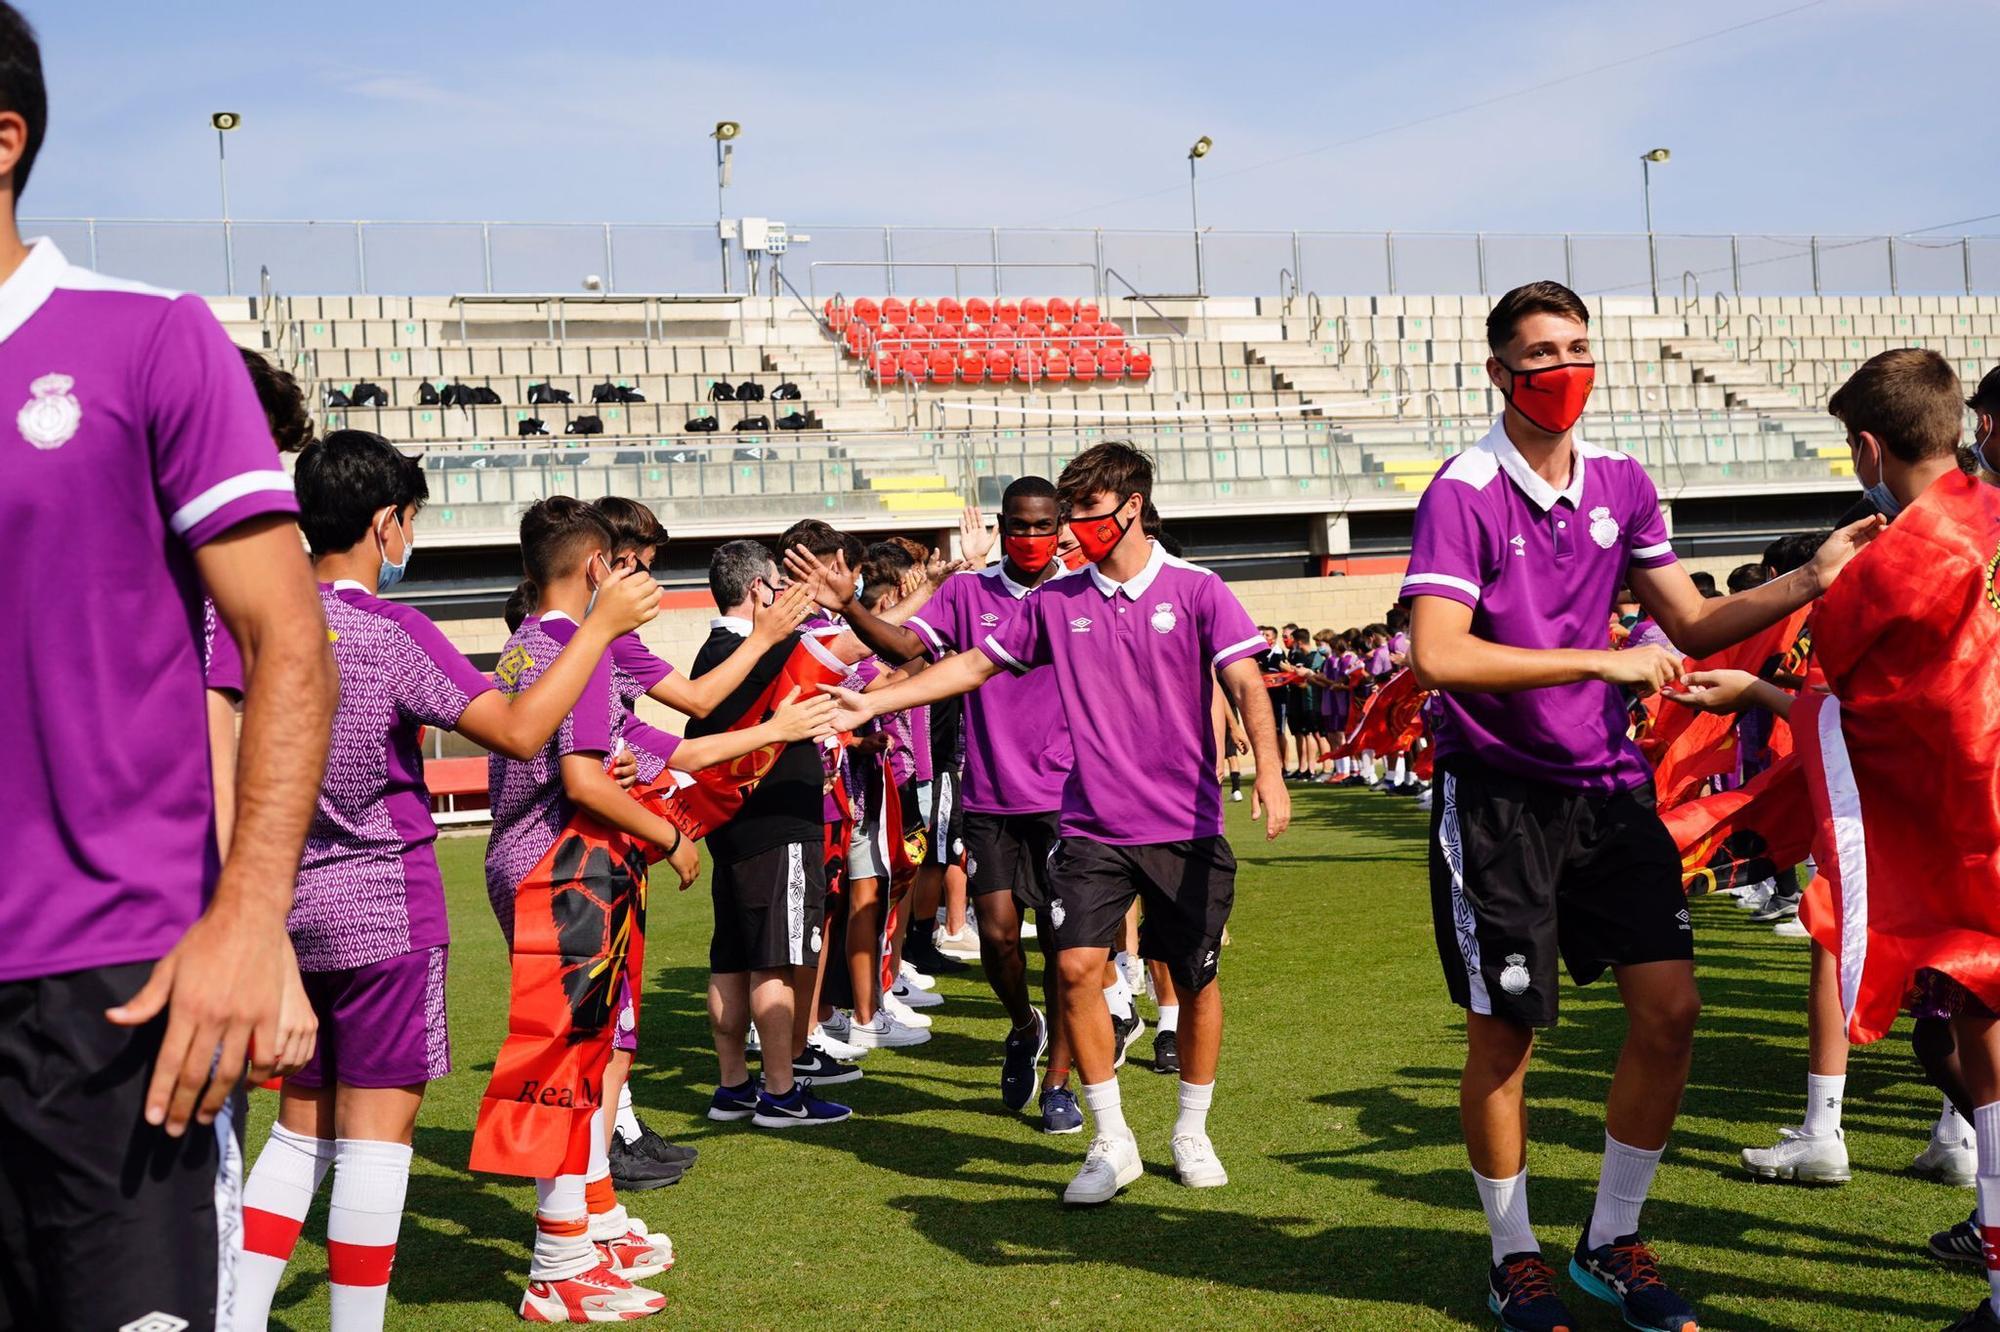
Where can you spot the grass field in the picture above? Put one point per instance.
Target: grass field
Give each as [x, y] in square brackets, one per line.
[1348, 1206]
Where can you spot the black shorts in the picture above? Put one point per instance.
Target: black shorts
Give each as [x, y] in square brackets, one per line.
[1187, 889]
[1304, 718]
[947, 821]
[1522, 872]
[104, 1221]
[769, 909]
[1277, 697]
[1009, 853]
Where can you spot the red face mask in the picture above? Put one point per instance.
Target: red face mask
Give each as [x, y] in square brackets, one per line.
[1073, 558]
[1030, 554]
[1097, 537]
[1552, 398]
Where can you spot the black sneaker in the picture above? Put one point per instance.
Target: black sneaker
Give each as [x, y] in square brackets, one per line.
[1126, 1031]
[635, 1172]
[921, 953]
[1521, 1292]
[1166, 1053]
[1022, 1056]
[824, 1069]
[657, 1147]
[1960, 1244]
[1979, 1320]
[1626, 1275]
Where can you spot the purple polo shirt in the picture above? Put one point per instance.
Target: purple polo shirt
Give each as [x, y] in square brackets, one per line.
[369, 887]
[1539, 567]
[1134, 665]
[634, 672]
[221, 663]
[129, 437]
[1378, 661]
[1017, 753]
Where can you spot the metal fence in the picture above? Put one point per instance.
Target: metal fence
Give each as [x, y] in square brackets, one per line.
[440, 258]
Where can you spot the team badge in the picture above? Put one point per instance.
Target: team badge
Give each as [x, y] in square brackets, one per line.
[1603, 527]
[815, 939]
[1993, 580]
[51, 416]
[1056, 912]
[1080, 625]
[1164, 620]
[1514, 977]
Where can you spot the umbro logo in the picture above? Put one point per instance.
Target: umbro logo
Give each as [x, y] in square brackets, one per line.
[989, 620]
[1080, 625]
[1520, 546]
[156, 1322]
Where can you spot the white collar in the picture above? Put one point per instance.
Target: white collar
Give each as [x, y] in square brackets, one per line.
[1532, 484]
[340, 583]
[1135, 586]
[735, 624]
[30, 284]
[546, 616]
[999, 572]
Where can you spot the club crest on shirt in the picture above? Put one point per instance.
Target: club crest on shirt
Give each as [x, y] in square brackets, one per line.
[1603, 527]
[1514, 976]
[1080, 625]
[51, 415]
[1164, 620]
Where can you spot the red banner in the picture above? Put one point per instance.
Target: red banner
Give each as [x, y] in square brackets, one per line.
[1391, 720]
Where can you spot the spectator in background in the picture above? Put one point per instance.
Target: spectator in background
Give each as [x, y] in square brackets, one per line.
[1704, 583]
[1271, 661]
[1746, 576]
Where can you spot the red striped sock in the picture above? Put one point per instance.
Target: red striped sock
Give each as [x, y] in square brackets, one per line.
[370, 1182]
[276, 1198]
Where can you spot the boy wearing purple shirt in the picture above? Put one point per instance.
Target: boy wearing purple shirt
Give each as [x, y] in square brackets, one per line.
[1545, 844]
[1135, 645]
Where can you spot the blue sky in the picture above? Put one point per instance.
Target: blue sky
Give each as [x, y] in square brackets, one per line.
[1848, 116]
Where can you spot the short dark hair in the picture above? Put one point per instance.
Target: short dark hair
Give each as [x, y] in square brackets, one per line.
[283, 401]
[1543, 297]
[734, 567]
[1744, 577]
[520, 605]
[21, 87]
[1267, 628]
[1704, 582]
[890, 556]
[634, 526]
[1114, 466]
[557, 533]
[817, 537]
[344, 480]
[1027, 487]
[1907, 397]
[1791, 552]
[1149, 519]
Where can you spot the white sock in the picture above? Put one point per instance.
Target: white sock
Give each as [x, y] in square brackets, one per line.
[1506, 1204]
[1823, 1103]
[1106, 1107]
[1986, 1122]
[607, 1218]
[1170, 1017]
[370, 1180]
[276, 1198]
[562, 1230]
[1622, 1183]
[1951, 1126]
[1118, 998]
[1399, 772]
[1196, 1097]
[627, 1125]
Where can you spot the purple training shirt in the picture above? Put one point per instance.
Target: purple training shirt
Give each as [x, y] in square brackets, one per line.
[369, 887]
[130, 436]
[1134, 666]
[634, 672]
[1539, 568]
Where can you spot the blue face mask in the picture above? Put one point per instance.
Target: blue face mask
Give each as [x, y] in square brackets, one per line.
[392, 574]
[1883, 499]
[1987, 471]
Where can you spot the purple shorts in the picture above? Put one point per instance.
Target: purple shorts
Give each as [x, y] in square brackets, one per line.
[1937, 996]
[625, 1036]
[382, 1025]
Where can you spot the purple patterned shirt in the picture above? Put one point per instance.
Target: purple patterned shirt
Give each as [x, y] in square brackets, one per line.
[634, 672]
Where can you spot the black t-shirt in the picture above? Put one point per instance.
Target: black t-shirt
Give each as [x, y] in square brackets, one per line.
[788, 805]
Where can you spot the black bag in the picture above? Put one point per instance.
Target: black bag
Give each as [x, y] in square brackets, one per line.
[786, 392]
[427, 394]
[721, 391]
[369, 394]
[485, 397]
[335, 398]
[455, 395]
[585, 425]
[701, 425]
[530, 425]
[749, 391]
[792, 421]
[630, 395]
[539, 394]
[752, 423]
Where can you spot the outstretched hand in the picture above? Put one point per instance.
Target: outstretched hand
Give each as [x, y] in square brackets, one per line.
[853, 711]
[1842, 546]
[975, 538]
[829, 582]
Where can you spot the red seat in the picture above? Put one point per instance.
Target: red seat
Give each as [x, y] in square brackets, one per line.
[1058, 363]
[838, 317]
[1007, 312]
[950, 310]
[1083, 367]
[1060, 310]
[999, 367]
[971, 367]
[895, 310]
[1087, 312]
[867, 311]
[1111, 335]
[943, 367]
[922, 308]
[1034, 311]
[852, 338]
[1139, 365]
[911, 365]
[1029, 367]
[885, 368]
[1111, 364]
[979, 310]
[1032, 329]
[1000, 332]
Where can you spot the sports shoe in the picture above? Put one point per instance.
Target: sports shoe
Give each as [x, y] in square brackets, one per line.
[1195, 1163]
[1952, 1163]
[1801, 1159]
[733, 1103]
[885, 1033]
[657, 1147]
[1236, 796]
[1018, 1062]
[1424, 800]
[1060, 1112]
[833, 1046]
[597, 1296]
[917, 978]
[822, 1068]
[1521, 1292]
[1166, 1053]
[753, 1042]
[1791, 928]
[663, 1248]
[1782, 906]
[1758, 895]
[1626, 1275]
[963, 946]
[1133, 969]
[920, 949]
[1981, 1319]
[903, 1013]
[914, 996]
[1110, 1165]
[632, 1257]
[797, 1108]
[1126, 1031]
[1960, 1244]
[635, 1171]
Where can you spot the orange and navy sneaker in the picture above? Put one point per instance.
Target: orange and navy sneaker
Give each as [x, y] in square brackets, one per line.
[1626, 1275]
[1521, 1292]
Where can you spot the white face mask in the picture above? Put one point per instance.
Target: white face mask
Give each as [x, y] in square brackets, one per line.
[391, 574]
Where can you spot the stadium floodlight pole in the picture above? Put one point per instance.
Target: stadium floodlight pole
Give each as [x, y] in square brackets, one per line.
[1646, 161]
[724, 133]
[1199, 151]
[223, 122]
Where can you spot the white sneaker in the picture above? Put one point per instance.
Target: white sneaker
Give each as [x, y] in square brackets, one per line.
[1236, 797]
[885, 1033]
[903, 1013]
[835, 1048]
[1424, 800]
[911, 997]
[917, 978]
[753, 1042]
[1757, 896]
[1110, 1165]
[964, 945]
[1196, 1163]
[1820, 1159]
[1952, 1163]
[1790, 929]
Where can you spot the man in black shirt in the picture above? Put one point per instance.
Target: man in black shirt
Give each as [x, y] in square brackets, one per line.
[1272, 661]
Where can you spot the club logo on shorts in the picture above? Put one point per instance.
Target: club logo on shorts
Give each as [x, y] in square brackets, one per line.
[1603, 527]
[1514, 976]
[156, 1322]
[971, 866]
[51, 416]
[1056, 912]
[1163, 620]
[1080, 625]
[815, 939]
